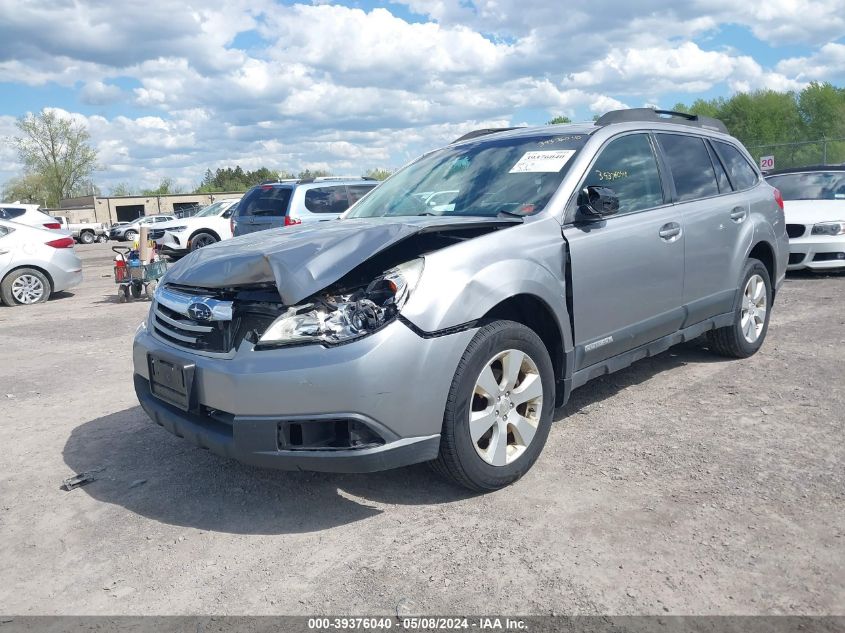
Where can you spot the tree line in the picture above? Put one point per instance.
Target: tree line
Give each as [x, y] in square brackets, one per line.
[796, 127]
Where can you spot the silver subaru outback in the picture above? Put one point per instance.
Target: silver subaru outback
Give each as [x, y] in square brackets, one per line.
[406, 332]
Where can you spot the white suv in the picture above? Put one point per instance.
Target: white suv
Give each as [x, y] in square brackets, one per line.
[179, 237]
[29, 214]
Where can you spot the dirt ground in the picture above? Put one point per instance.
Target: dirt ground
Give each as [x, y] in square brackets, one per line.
[686, 484]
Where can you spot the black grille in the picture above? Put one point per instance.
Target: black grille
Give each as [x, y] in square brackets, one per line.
[795, 230]
[205, 336]
[796, 258]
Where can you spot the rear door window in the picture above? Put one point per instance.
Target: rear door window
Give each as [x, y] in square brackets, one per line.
[742, 174]
[692, 171]
[721, 174]
[326, 200]
[265, 201]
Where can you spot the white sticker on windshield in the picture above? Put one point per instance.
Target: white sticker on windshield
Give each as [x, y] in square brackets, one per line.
[542, 161]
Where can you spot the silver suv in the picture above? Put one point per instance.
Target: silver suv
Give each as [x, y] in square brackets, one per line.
[402, 334]
[290, 202]
[129, 232]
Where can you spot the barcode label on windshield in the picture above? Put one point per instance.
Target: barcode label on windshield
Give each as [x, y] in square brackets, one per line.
[542, 161]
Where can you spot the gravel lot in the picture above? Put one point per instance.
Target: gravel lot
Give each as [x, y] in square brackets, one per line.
[685, 484]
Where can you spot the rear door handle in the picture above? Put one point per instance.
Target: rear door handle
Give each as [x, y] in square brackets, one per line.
[670, 232]
[3, 252]
[738, 214]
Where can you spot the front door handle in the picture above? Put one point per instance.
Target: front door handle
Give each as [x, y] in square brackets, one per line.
[738, 214]
[3, 252]
[670, 232]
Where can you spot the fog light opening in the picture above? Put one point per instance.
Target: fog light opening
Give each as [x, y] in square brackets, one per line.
[326, 435]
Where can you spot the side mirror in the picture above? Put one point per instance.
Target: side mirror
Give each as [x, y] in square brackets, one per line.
[597, 202]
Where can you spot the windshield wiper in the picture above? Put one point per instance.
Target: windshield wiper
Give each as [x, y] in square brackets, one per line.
[510, 213]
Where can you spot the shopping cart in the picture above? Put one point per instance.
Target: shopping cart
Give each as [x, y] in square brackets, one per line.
[134, 278]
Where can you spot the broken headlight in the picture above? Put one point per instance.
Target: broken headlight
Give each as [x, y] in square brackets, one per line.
[344, 316]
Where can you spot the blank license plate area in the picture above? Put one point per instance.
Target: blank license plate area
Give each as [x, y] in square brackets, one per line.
[171, 380]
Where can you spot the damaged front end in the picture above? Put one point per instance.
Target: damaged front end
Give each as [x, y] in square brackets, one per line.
[342, 314]
[355, 299]
[346, 311]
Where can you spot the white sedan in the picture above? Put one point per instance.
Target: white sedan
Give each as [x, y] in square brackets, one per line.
[179, 237]
[814, 206]
[34, 263]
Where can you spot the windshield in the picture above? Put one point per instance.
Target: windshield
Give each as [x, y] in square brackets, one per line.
[212, 209]
[482, 178]
[816, 185]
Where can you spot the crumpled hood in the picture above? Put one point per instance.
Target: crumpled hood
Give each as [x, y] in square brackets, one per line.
[301, 260]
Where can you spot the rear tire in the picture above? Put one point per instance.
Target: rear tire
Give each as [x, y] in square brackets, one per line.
[504, 372]
[102, 239]
[746, 334]
[86, 238]
[25, 286]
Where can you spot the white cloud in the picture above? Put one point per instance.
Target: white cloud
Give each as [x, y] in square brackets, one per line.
[828, 64]
[98, 93]
[682, 68]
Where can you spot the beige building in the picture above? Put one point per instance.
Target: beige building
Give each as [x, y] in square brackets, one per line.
[109, 210]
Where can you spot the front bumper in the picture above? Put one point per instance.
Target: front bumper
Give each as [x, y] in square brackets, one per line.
[170, 244]
[817, 252]
[394, 382]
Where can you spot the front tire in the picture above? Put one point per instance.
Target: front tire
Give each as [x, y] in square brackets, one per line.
[86, 238]
[25, 286]
[499, 409]
[746, 334]
[201, 240]
[130, 236]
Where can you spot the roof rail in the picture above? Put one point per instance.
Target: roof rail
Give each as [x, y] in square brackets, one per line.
[482, 132]
[664, 116]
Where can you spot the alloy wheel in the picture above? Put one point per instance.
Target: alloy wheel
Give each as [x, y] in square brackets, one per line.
[201, 240]
[506, 405]
[754, 308]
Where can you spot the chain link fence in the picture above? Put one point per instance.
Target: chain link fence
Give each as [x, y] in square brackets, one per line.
[828, 151]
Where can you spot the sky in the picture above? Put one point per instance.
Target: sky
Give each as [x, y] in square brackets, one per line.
[170, 89]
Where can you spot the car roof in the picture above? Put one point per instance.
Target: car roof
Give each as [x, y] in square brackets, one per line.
[631, 118]
[324, 181]
[809, 168]
[22, 205]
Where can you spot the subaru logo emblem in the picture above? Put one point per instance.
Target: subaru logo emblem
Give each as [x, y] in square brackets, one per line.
[199, 312]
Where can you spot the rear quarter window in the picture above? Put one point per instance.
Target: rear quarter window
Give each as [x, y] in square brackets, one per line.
[356, 192]
[265, 201]
[10, 213]
[326, 199]
[740, 171]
